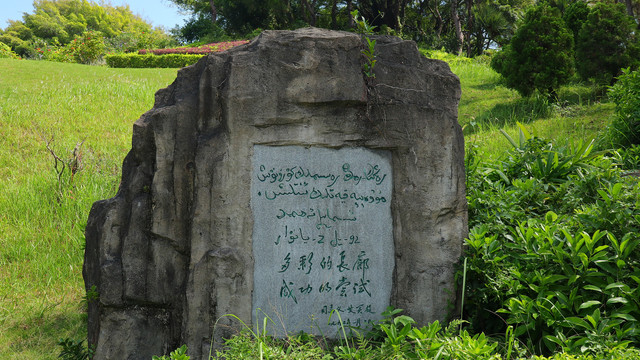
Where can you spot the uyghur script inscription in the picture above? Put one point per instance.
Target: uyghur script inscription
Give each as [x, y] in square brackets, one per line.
[322, 237]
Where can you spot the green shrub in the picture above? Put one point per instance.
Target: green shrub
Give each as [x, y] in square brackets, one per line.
[74, 350]
[54, 53]
[86, 48]
[19, 46]
[539, 56]
[575, 15]
[606, 43]
[17, 29]
[151, 61]
[178, 354]
[133, 41]
[624, 130]
[6, 52]
[553, 249]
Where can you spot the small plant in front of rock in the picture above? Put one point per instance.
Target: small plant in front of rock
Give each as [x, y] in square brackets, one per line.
[178, 354]
[74, 350]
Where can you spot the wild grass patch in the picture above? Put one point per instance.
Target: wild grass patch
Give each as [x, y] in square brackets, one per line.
[42, 217]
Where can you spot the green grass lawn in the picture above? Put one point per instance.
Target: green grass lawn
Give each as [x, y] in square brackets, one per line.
[42, 223]
[487, 106]
[42, 220]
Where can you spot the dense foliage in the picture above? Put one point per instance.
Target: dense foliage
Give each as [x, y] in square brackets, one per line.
[6, 52]
[574, 17]
[151, 61]
[624, 130]
[553, 247]
[458, 26]
[56, 24]
[540, 56]
[606, 43]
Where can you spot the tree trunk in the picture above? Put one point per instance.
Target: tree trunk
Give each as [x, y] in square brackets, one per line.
[629, 5]
[352, 24]
[308, 12]
[469, 25]
[395, 13]
[334, 15]
[439, 22]
[456, 26]
[214, 12]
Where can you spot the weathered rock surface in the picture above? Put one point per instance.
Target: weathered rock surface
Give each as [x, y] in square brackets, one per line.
[171, 253]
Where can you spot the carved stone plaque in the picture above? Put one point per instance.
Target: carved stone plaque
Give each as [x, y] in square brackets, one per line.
[322, 237]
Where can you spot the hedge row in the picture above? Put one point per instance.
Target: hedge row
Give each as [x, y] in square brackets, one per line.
[202, 50]
[151, 61]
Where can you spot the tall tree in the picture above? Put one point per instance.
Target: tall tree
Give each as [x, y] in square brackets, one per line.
[214, 11]
[457, 26]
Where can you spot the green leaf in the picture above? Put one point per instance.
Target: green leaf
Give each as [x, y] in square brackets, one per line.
[624, 316]
[578, 322]
[615, 285]
[590, 303]
[593, 288]
[551, 217]
[600, 248]
[509, 138]
[617, 300]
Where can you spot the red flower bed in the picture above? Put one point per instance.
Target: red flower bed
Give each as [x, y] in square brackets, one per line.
[201, 50]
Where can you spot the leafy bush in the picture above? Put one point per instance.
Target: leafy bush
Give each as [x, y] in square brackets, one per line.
[80, 29]
[607, 42]
[5, 52]
[64, 19]
[553, 249]
[19, 46]
[54, 53]
[132, 41]
[74, 350]
[178, 354]
[151, 61]
[539, 56]
[624, 130]
[86, 48]
[575, 15]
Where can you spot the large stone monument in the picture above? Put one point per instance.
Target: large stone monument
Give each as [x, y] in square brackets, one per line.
[276, 180]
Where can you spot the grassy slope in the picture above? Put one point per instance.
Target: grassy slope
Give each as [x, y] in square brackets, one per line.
[41, 230]
[487, 106]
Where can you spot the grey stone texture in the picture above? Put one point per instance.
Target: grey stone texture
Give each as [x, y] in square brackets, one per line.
[171, 253]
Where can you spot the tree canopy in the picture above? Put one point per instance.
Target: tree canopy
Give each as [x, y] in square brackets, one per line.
[61, 21]
[469, 26]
